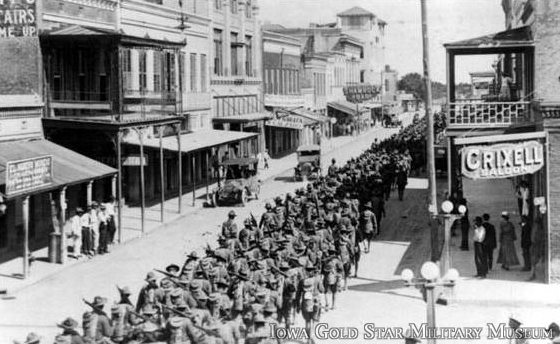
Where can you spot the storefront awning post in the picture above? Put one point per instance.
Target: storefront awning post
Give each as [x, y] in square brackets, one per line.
[161, 175]
[207, 176]
[179, 166]
[140, 132]
[89, 193]
[119, 184]
[193, 179]
[63, 207]
[25, 216]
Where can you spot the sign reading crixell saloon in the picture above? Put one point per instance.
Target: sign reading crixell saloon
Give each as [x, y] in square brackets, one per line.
[502, 160]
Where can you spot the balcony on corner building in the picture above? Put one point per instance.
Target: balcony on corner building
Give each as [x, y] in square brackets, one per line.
[499, 98]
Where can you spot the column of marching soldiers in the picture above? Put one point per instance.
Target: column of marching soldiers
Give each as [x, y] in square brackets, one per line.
[293, 261]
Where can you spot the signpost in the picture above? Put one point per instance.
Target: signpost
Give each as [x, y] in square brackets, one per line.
[29, 174]
[502, 160]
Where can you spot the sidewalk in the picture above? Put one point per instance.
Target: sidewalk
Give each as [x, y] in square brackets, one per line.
[10, 271]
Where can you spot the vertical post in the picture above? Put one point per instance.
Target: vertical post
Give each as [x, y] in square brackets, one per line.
[114, 186]
[63, 207]
[140, 132]
[446, 255]
[450, 172]
[25, 215]
[431, 310]
[119, 184]
[161, 172]
[429, 114]
[89, 193]
[207, 175]
[193, 178]
[179, 166]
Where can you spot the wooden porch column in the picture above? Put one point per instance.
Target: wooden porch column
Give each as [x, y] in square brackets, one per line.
[179, 166]
[161, 172]
[114, 186]
[140, 132]
[25, 215]
[193, 174]
[63, 207]
[89, 193]
[119, 185]
[450, 78]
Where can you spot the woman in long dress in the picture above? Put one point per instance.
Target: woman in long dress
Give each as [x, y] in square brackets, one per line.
[507, 255]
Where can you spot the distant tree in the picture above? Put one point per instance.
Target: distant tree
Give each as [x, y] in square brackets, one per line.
[412, 83]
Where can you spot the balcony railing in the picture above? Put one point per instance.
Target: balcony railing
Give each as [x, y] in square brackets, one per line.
[476, 113]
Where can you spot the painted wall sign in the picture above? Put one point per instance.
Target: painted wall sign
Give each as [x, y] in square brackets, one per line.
[18, 18]
[28, 175]
[289, 121]
[502, 160]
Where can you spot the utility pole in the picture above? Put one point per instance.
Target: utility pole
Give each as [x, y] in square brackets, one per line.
[429, 115]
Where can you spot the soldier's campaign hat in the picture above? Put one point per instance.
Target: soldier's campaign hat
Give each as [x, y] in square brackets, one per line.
[151, 277]
[248, 222]
[516, 317]
[328, 268]
[368, 205]
[166, 284]
[214, 297]
[222, 282]
[195, 285]
[269, 307]
[284, 265]
[261, 293]
[172, 268]
[409, 338]
[307, 284]
[258, 319]
[201, 296]
[68, 323]
[199, 271]
[177, 292]
[261, 264]
[184, 280]
[176, 322]
[268, 205]
[99, 301]
[61, 339]
[193, 255]
[302, 261]
[220, 255]
[243, 274]
[309, 266]
[148, 309]
[181, 304]
[125, 291]
[232, 213]
[265, 245]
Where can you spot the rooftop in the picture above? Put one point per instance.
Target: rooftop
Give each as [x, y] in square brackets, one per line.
[355, 11]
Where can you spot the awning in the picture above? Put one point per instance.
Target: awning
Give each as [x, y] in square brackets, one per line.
[516, 38]
[346, 107]
[311, 116]
[500, 138]
[79, 31]
[251, 117]
[195, 141]
[375, 105]
[68, 167]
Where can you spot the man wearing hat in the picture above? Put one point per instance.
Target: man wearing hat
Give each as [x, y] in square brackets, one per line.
[515, 322]
[103, 328]
[75, 233]
[69, 326]
[333, 270]
[308, 300]
[507, 255]
[87, 234]
[229, 228]
[150, 292]
[32, 338]
[368, 224]
[103, 219]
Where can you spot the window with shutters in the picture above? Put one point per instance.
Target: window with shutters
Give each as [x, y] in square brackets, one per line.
[157, 71]
[234, 53]
[248, 9]
[218, 5]
[193, 72]
[142, 70]
[233, 6]
[218, 51]
[249, 56]
[203, 73]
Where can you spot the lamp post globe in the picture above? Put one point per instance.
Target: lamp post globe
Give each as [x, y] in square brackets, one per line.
[462, 209]
[447, 207]
[429, 271]
[407, 275]
[452, 275]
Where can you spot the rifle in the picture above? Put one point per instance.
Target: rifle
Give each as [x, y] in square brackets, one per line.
[95, 308]
[145, 318]
[174, 279]
[184, 315]
[254, 220]
[209, 251]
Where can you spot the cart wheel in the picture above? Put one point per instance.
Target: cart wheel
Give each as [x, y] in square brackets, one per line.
[244, 197]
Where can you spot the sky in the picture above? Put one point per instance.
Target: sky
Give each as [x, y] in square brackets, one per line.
[448, 21]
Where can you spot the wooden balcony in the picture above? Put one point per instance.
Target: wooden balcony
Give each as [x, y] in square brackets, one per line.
[469, 114]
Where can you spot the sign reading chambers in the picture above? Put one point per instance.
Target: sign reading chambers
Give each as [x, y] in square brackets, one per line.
[29, 174]
[18, 18]
[502, 160]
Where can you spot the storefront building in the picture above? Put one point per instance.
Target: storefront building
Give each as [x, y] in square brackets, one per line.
[512, 132]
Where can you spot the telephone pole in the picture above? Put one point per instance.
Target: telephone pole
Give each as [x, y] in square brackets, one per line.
[429, 114]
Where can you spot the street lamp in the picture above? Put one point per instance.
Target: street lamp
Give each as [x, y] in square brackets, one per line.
[428, 282]
[449, 219]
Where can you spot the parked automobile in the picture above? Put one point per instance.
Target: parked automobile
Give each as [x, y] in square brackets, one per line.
[241, 181]
[309, 162]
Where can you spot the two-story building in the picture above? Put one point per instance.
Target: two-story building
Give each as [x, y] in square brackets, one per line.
[40, 181]
[513, 131]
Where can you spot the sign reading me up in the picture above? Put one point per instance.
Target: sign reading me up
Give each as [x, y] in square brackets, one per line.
[502, 160]
[28, 175]
[18, 18]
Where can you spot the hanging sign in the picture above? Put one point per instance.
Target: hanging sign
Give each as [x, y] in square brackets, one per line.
[28, 175]
[502, 160]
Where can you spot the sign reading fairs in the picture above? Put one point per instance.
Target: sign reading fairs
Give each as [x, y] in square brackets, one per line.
[502, 160]
[27, 175]
[18, 18]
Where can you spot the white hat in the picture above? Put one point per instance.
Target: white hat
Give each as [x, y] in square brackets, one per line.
[505, 213]
[516, 317]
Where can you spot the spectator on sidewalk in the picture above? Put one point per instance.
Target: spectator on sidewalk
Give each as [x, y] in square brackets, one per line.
[538, 242]
[266, 158]
[402, 181]
[507, 255]
[522, 194]
[489, 240]
[526, 230]
[93, 210]
[465, 225]
[111, 222]
[480, 259]
[85, 222]
[75, 233]
[103, 219]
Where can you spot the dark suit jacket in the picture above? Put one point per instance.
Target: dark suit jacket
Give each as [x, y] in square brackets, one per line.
[490, 239]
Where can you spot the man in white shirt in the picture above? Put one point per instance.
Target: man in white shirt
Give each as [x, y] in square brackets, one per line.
[111, 224]
[85, 222]
[479, 250]
[75, 233]
[94, 226]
